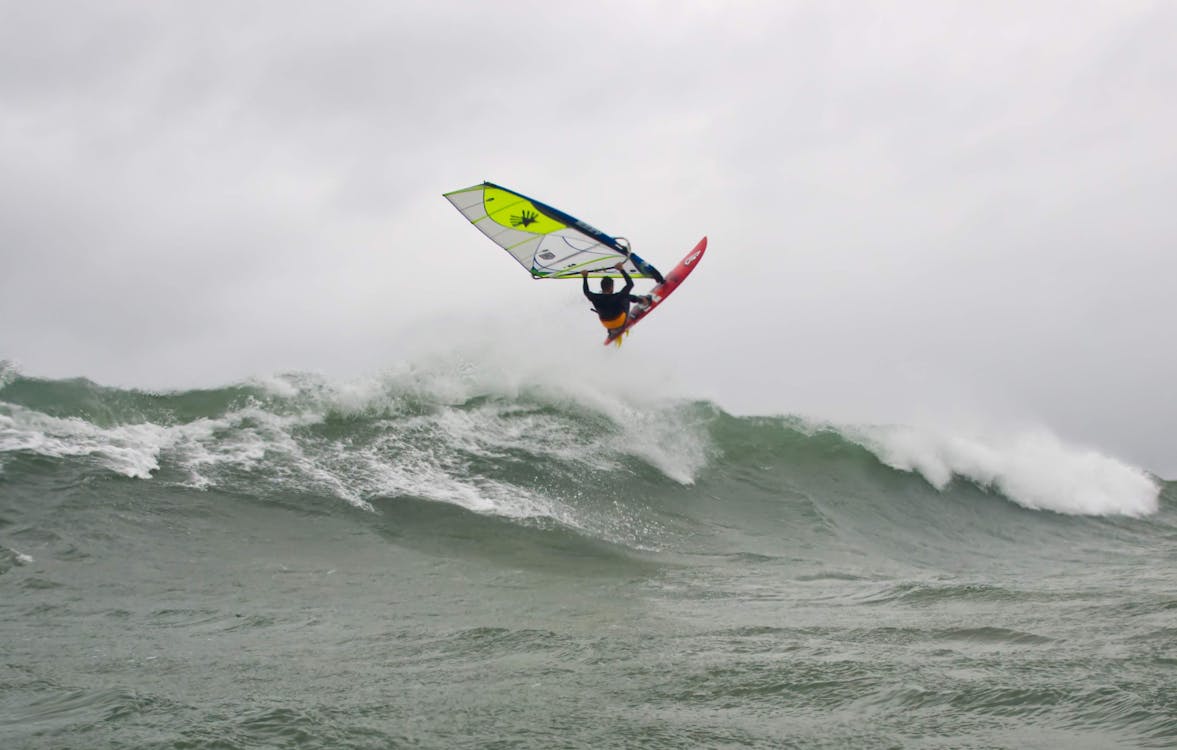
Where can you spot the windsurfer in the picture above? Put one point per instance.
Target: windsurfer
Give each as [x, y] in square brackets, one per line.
[613, 307]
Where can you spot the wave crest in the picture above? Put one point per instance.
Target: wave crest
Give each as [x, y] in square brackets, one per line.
[494, 439]
[1034, 468]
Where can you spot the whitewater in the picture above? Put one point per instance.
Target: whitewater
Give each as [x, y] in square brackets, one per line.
[466, 550]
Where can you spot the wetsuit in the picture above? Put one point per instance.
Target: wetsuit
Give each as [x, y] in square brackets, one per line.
[613, 309]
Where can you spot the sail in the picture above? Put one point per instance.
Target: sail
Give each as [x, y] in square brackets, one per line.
[547, 242]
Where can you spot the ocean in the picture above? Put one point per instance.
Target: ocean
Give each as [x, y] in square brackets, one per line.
[440, 557]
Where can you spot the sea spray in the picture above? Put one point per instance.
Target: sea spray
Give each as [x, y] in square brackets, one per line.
[496, 438]
[1034, 468]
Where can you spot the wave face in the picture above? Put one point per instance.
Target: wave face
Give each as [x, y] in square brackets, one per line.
[513, 545]
[463, 436]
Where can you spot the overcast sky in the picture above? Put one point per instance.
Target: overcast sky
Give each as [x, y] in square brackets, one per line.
[914, 208]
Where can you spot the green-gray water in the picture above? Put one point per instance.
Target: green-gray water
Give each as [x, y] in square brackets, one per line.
[305, 565]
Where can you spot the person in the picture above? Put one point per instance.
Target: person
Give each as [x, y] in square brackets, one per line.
[613, 307]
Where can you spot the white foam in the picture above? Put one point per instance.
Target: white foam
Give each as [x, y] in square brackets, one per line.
[9, 372]
[133, 450]
[245, 438]
[594, 381]
[1033, 467]
[283, 385]
[657, 434]
[130, 450]
[630, 392]
[425, 454]
[540, 402]
[443, 479]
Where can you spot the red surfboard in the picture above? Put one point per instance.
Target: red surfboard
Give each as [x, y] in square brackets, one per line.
[676, 276]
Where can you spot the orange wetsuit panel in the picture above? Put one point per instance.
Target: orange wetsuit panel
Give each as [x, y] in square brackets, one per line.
[615, 322]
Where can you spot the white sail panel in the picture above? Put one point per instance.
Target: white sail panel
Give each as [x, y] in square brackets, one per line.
[547, 242]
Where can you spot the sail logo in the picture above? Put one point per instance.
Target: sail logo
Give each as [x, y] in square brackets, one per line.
[524, 219]
[692, 259]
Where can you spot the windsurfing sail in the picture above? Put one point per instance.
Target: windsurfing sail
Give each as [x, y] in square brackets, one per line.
[549, 243]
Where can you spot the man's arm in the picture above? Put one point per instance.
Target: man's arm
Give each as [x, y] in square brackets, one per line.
[584, 283]
[628, 281]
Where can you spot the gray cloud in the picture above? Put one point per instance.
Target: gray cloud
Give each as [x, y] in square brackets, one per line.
[914, 208]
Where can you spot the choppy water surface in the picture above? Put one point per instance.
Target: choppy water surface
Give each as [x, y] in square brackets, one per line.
[302, 564]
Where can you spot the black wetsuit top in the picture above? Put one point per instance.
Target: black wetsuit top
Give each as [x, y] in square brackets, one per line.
[609, 306]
